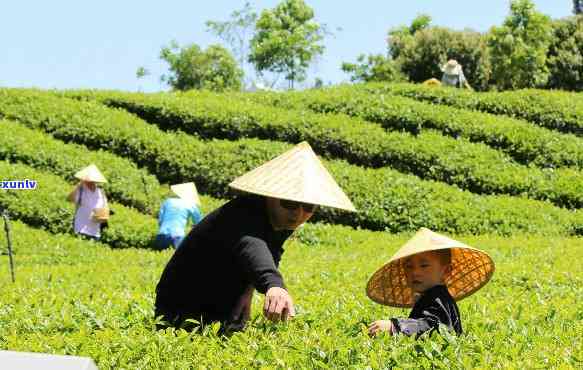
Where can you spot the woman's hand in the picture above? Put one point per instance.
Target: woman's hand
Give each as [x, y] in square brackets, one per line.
[278, 305]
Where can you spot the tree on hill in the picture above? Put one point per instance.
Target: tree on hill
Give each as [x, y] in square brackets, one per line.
[373, 68]
[142, 72]
[399, 37]
[287, 40]
[193, 68]
[565, 54]
[518, 48]
[419, 52]
[236, 33]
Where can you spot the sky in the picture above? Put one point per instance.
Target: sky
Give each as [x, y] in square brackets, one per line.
[66, 44]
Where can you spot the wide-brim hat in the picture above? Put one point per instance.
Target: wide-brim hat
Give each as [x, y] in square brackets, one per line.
[296, 175]
[91, 173]
[471, 269]
[452, 67]
[186, 191]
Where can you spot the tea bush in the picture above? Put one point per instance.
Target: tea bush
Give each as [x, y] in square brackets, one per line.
[556, 110]
[387, 200]
[81, 298]
[523, 141]
[126, 184]
[429, 155]
[46, 207]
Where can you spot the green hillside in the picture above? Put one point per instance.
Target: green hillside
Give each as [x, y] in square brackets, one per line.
[398, 180]
[79, 298]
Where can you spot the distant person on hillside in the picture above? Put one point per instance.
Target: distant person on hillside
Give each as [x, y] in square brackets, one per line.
[429, 273]
[91, 210]
[237, 248]
[175, 213]
[453, 75]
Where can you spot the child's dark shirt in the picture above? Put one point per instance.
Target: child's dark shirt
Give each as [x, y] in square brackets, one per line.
[436, 306]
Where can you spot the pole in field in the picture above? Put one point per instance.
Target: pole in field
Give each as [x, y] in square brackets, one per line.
[7, 230]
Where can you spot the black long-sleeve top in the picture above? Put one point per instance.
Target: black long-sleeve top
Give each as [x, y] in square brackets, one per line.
[232, 248]
[436, 306]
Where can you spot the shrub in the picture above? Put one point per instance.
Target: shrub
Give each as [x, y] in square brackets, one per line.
[555, 110]
[429, 155]
[387, 200]
[526, 143]
[420, 55]
[126, 184]
[46, 207]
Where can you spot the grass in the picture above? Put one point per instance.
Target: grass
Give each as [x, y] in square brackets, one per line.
[82, 298]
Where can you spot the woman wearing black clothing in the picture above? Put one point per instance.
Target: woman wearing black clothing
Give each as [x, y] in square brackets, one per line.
[237, 248]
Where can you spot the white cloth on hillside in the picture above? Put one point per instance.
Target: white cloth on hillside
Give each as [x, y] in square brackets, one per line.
[84, 222]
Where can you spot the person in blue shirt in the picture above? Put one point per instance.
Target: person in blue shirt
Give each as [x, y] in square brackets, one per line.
[175, 213]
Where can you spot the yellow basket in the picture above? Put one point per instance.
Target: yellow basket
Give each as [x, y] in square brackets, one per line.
[101, 214]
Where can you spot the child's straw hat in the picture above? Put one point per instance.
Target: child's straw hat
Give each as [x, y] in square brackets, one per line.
[452, 67]
[470, 270]
[296, 175]
[186, 191]
[91, 173]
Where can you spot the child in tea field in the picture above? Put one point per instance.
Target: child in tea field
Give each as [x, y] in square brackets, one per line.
[429, 273]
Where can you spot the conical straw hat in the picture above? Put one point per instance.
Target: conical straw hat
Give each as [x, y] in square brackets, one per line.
[186, 191]
[296, 175]
[452, 67]
[470, 270]
[90, 173]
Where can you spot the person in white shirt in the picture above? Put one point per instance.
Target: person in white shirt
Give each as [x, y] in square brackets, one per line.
[91, 203]
[453, 75]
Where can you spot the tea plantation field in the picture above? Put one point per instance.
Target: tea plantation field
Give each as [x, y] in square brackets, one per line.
[499, 171]
[84, 298]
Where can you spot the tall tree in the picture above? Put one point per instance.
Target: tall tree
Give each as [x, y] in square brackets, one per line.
[420, 55]
[141, 72]
[518, 48]
[399, 36]
[373, 68]
[565, 55]
[287, 39]
[236, 32]
[193, 68]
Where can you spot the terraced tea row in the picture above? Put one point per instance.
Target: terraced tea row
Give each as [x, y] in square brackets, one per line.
[555, 110]
[127, 184]
[387, 200]
[45, 207]
[526, 143]
[429, 155]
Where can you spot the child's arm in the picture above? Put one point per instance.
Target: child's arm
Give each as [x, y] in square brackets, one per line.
[380, 326]
[433, 314]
